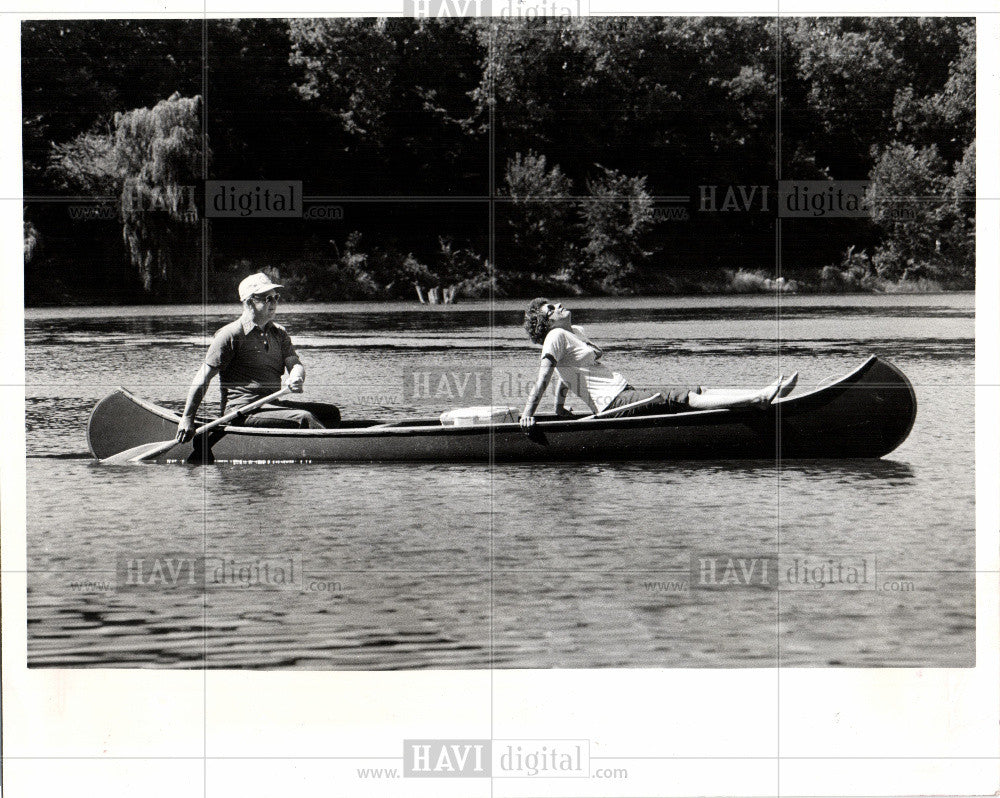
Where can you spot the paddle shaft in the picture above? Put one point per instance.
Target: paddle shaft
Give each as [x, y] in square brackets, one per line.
[398, 423]
[165, 446]
[241, 411]
[615, 410]
[602, 414]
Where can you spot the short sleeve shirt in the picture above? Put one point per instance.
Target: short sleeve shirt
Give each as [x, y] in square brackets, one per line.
[577, 364]
[250, 360]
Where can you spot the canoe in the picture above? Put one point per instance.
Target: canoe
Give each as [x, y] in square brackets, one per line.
[866, 413]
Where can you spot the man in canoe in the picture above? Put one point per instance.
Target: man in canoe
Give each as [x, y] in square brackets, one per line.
[575, 360]
[251, 354]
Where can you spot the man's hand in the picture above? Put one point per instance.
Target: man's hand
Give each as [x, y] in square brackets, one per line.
[296, 375]
[527, 422]
[185, 430]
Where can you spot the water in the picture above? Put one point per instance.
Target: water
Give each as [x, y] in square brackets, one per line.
[459, 566]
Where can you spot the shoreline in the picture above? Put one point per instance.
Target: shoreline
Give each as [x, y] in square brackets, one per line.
[94, 299]
[502, 304]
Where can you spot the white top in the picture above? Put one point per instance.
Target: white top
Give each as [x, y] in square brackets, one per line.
[577, 364]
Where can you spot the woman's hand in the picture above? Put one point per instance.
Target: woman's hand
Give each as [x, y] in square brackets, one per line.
[545, 370]
[185, 430]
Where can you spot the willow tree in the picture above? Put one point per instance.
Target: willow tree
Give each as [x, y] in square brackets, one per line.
[159, 153]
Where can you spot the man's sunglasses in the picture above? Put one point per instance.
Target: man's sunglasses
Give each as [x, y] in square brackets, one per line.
[272, 297]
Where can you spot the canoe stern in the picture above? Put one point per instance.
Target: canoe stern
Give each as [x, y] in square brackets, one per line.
[121, 421]
[869, 413]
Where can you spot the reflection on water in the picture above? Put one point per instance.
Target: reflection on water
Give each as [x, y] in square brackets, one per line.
[895, 473]
[530, 565]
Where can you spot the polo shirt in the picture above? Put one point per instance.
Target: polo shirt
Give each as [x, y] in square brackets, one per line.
[251, 360]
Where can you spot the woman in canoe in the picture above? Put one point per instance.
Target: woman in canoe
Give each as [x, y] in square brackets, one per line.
[575, 359]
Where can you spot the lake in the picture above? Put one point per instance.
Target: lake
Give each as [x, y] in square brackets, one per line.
[589, 565]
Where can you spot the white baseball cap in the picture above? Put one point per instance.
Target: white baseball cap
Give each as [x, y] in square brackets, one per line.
[258, 283]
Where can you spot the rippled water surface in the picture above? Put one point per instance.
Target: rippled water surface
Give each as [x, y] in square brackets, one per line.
[459, 566]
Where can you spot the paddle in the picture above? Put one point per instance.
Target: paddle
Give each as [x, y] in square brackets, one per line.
[399, 423]
[602, 414]
[147, 451]
[615, 410]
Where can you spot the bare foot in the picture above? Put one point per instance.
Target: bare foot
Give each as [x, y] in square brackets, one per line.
[765, 397]
[788, 385]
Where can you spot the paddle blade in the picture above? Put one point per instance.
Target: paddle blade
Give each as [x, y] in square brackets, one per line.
[138, 454]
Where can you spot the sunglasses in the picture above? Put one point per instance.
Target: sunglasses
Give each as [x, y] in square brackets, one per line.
[263, 300]
[549, 309]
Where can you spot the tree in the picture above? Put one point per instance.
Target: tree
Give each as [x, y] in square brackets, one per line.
[855, 75]
[946, 116]
[926, 214]
[399, 92]
[87, 165]
[539, 214]
[620, 210]
[348, 67]
[159, 151]
[959, 217]
[405, 107]
[261, 127]
[76, 74]
[923, 182]
[31, 240]
[850, 74]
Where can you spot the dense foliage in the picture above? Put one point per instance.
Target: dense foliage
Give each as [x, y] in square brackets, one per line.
[637, 154]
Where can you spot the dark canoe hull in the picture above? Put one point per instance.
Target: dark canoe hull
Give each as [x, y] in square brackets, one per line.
[867, 413]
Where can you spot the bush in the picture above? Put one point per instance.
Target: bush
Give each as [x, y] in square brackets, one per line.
[859, 273]
[481, 285]
[87, 164]
[379, 273]
[744, 281]
[856, 273]
[31, 239]
[538, 215]
[927, 214]
[620, 210]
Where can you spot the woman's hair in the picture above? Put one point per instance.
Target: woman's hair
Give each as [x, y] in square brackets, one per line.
[536, 322]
